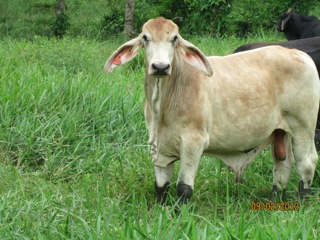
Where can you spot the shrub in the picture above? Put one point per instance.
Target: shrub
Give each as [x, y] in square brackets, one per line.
[60, 25]
[112, 24]
[208, 17]
[248, 16]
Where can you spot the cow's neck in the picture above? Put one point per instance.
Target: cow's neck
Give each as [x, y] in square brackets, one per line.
[156, 96]
[166, 97]
[170, 93]
[153, 94]
[157, 90]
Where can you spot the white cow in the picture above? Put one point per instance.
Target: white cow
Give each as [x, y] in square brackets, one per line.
[228, 107]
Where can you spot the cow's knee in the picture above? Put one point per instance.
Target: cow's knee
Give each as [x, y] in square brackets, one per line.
[184, 192]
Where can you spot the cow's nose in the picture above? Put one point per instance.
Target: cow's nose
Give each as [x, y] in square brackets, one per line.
[160, 68]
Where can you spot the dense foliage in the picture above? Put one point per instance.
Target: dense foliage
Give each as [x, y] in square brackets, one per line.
[104, 18]
[248, 16]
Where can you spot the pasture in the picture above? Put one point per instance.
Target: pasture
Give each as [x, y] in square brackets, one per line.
[74, 160]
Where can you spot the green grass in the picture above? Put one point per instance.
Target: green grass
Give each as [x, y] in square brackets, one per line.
[74, 163]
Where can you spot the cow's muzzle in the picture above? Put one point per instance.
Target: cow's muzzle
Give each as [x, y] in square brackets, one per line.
[160, 69]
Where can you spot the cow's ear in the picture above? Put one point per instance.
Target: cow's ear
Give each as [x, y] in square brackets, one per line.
[286, 19]
[192, 55]
[124, 54]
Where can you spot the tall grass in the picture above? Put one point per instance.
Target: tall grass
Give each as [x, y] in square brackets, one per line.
[74, 163]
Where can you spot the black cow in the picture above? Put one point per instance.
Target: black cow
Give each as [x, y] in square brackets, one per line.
[296, 26]
[311, 46]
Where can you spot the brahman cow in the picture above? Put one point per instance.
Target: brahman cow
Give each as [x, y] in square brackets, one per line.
[311, 46]
[295, 26]
[228, 107]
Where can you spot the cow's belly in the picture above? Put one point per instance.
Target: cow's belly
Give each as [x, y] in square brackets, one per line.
[244, 133]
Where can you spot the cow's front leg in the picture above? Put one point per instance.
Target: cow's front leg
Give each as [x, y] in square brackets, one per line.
[191, 151]
[162, 182]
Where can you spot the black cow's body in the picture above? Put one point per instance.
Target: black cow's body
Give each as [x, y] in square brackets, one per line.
[295, 26]
[311, 46]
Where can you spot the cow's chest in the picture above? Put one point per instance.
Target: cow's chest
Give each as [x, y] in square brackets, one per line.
[164, 137]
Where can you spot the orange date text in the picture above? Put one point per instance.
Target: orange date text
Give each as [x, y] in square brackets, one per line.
[275, 206]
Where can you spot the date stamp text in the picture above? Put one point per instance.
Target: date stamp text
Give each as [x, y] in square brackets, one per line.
[275, 206]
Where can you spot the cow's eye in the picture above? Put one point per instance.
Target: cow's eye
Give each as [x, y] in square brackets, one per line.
[145, 38]
[175, 38]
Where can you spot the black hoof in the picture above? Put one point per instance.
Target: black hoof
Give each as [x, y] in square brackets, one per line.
[303, 192]
[162, 193]
[277, 195]
[184, 192]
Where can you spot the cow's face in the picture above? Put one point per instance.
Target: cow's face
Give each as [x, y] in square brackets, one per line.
[284, 19]
[164, 48]
[160, 38]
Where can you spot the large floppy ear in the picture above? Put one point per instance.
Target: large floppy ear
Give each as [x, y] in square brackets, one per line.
[192, 55]
[286, 19]
[124, 54]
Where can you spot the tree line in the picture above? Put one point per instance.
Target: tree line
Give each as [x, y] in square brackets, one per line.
[106, 18]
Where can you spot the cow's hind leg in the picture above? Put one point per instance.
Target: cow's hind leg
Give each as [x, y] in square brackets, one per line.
[282, 147]
[162, 182]
[306, 157]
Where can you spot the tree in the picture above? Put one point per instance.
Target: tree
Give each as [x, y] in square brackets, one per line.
[61, 22]
[128, 22]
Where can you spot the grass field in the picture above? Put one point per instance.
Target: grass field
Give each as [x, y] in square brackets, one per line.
[74, 163]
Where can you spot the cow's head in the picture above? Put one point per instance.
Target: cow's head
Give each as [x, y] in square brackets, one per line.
[284, 19]
[163, 44]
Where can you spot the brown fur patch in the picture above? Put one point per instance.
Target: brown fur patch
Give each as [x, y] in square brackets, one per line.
[279, 145]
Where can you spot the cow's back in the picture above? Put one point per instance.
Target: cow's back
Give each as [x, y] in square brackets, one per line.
[280, 62]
